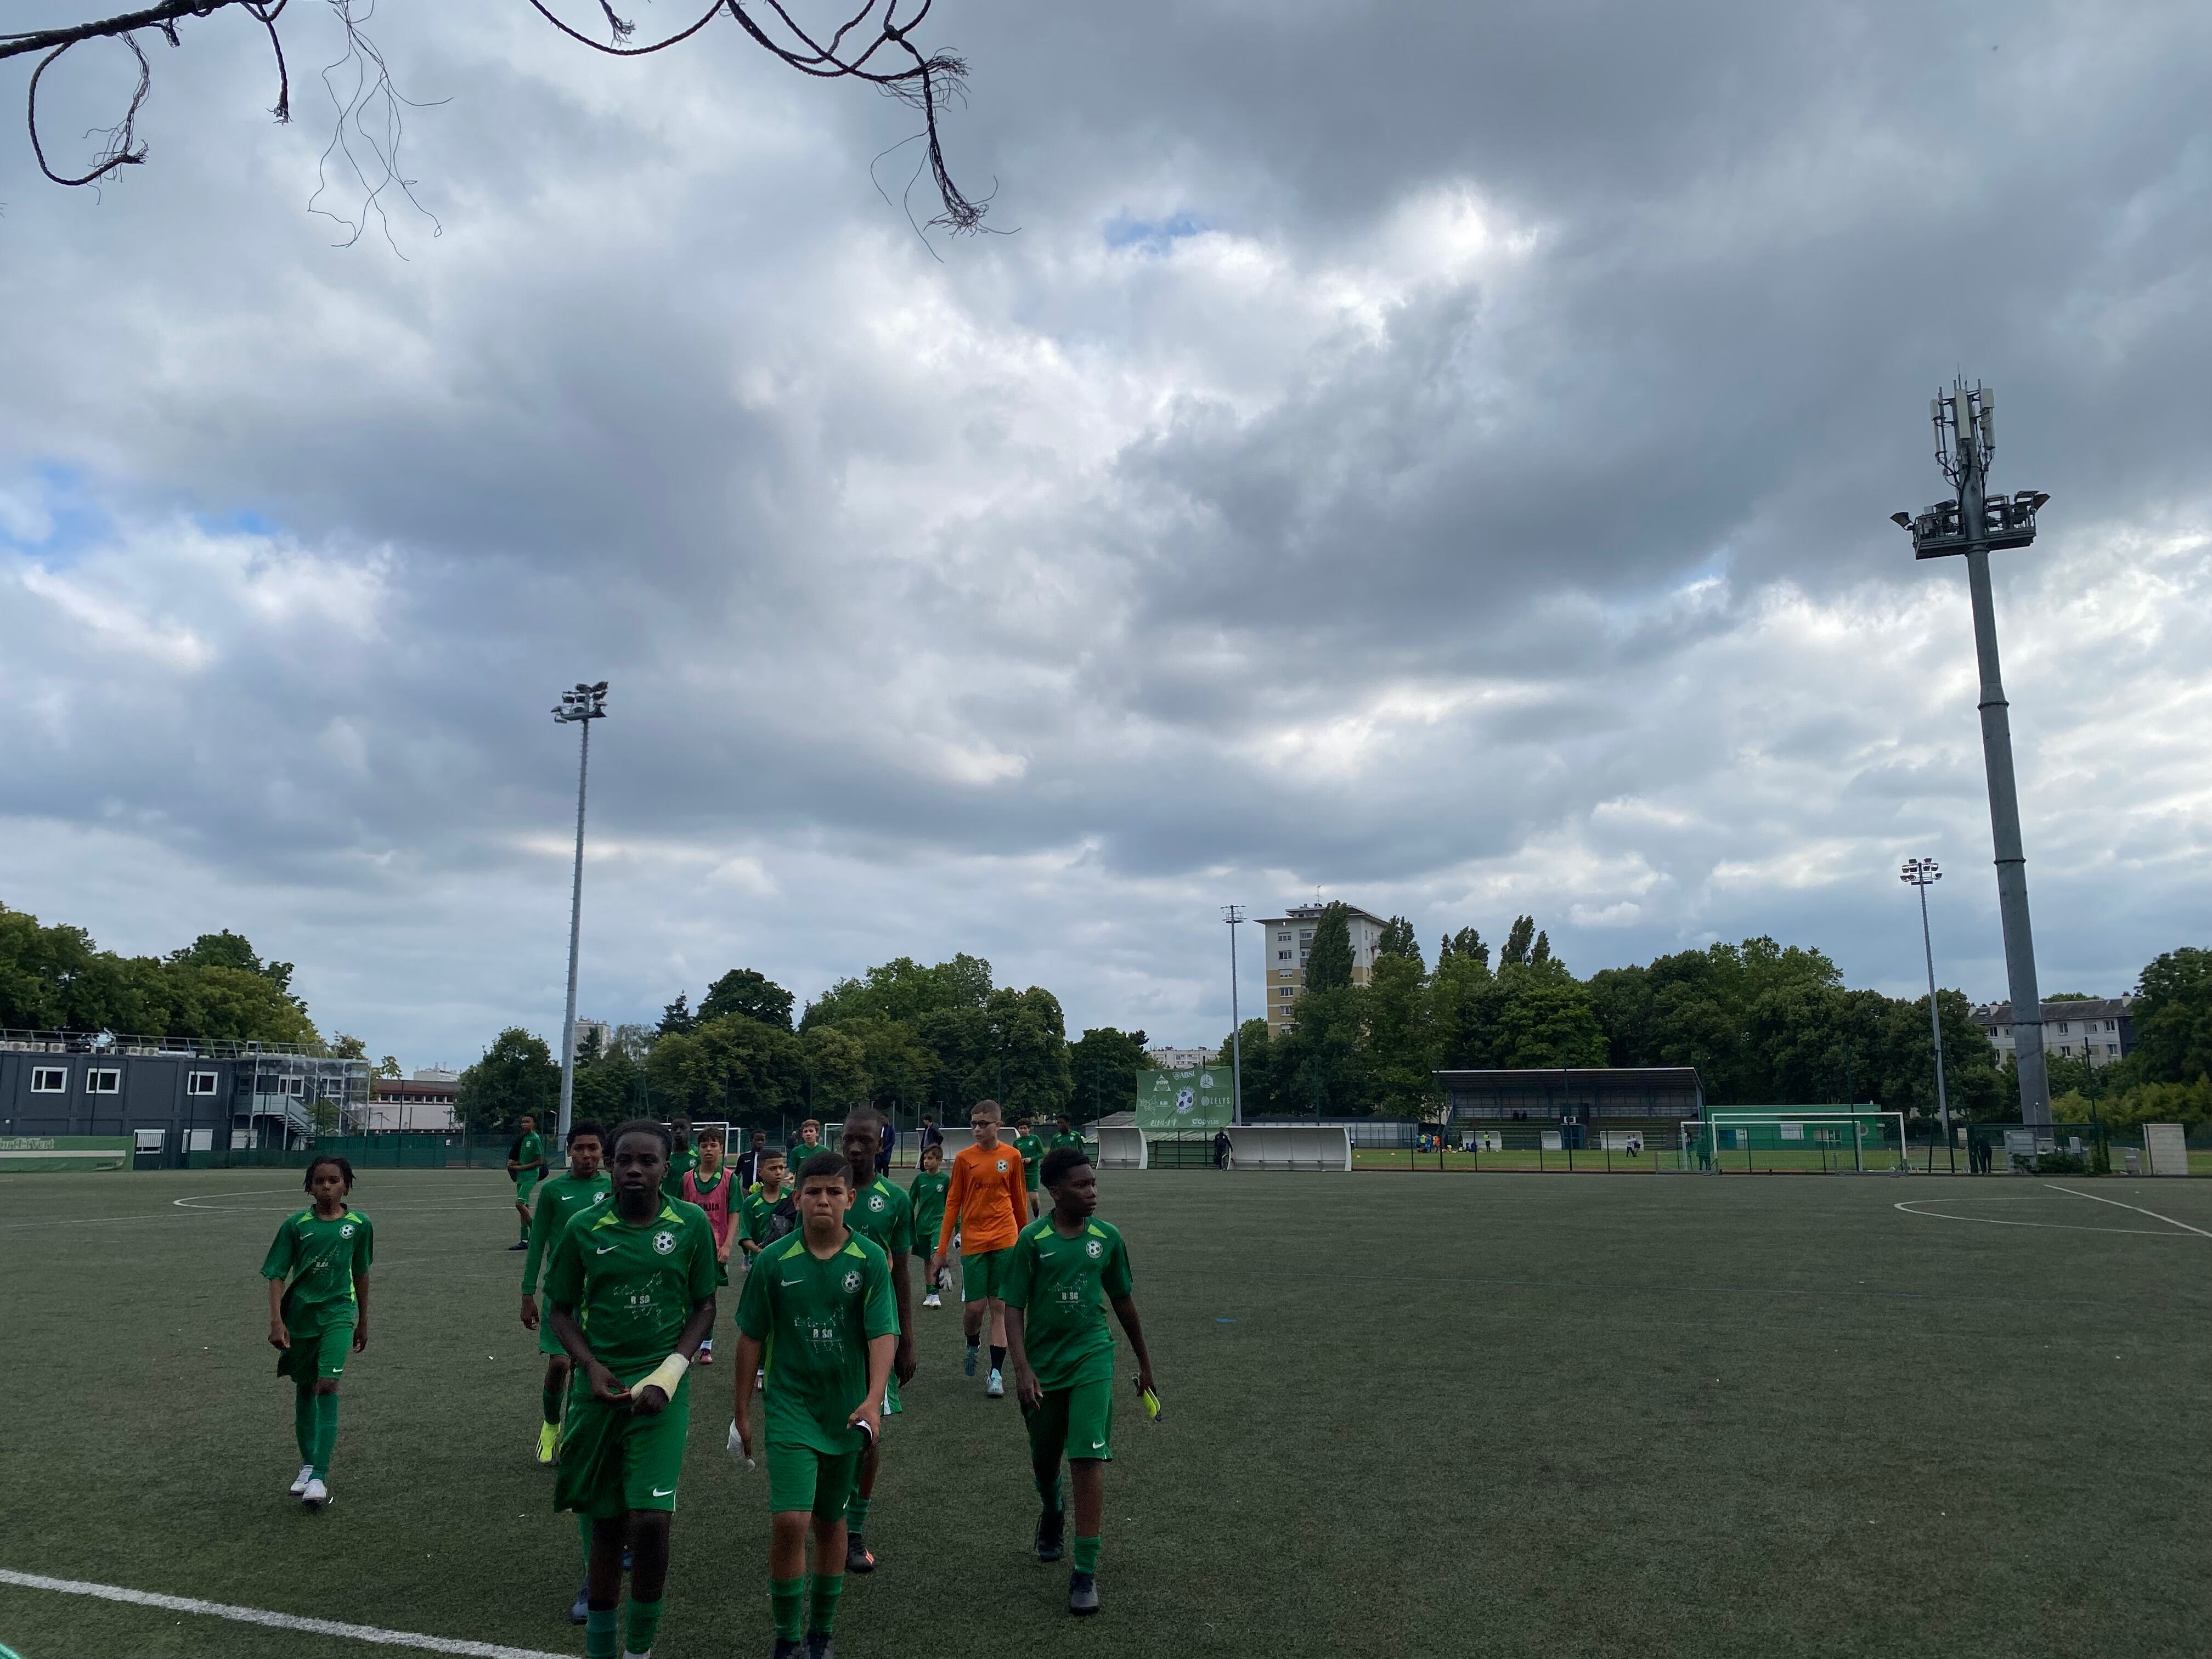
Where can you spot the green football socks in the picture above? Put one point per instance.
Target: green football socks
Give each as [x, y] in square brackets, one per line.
[788, 1597]
[326, 1433]
[828, 1587]
[856, 1513]
[599, 1630]
[549, 1400]
[1086, 1555]
[303, 1422]
[644, 1625]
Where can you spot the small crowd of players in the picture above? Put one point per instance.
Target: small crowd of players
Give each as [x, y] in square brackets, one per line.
[625, 1252]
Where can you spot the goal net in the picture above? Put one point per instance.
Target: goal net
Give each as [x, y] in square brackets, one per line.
[1824, 1141]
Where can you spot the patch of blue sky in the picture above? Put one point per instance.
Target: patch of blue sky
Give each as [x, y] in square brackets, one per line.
[1153, 236]
[50, 513]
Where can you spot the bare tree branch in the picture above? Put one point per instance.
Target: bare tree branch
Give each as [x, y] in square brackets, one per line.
[871, 45]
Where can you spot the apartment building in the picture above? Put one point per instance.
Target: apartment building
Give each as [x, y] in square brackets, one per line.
[1285, 940]
[2102, 1030]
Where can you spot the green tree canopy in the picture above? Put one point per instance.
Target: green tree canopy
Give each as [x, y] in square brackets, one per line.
[1102, 1070]
[743, 991]
[516, 1074]
[1399, 939]
[903, 989]
[1328, 959]
[2173, 1017]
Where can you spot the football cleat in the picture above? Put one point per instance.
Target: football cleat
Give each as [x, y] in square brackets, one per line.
[316, 1495]
[931, 1301]
[996, 1387]
[580, 1608]
[1052, 1527]
[299, 1480]
[787, 1649]
[970, 1368]
[857, 1558]
[819, 1645]
[1082, 1594]
[549, 1441]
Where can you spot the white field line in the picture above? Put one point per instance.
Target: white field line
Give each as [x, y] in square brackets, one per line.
[390, 1638]
[1908, 1206]
[2139, 1209]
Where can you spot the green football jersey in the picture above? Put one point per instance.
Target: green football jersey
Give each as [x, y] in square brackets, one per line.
[1061, 1284]
[1071, 1139]
[925, 1194]
[558, 1202]
[815, 1320]
[883, 1214]
[754, 1210]
[632, 1285]
[320, 1258]
[1032, 1152]
[529, 1152]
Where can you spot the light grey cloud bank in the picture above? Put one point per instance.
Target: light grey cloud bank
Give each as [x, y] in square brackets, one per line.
[1444, 461]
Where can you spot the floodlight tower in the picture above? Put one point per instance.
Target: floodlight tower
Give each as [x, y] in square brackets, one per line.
[1233, 914]
[580, 706]
[1923, 874]
[1973, 523]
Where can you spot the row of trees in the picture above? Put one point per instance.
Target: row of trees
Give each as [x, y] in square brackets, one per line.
[906, 1037]
[56, 979]
[1761, 1021]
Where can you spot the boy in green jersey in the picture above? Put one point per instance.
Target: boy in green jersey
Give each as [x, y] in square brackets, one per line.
[880, 1212]
[1064, 1268]
[757, 1208]
[632, 1285]
[1032, 1151]
[1064, 1136]
[583, 1187]
[819, 1311]
[926, 1193]
[683, 1156]
[525, 1168]
[325, 1250]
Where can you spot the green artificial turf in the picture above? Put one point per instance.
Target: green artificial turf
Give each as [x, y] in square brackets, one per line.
[1489, 1414]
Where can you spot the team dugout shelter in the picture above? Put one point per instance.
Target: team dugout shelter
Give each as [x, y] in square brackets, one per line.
[1590, 1106]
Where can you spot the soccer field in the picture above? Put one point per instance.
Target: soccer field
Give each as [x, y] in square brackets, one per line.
[1455, 1415]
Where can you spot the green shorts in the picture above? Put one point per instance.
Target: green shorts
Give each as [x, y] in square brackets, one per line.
[801, 1477]
[547, 1342]
[1077, 1422]
[317, 1351]
[613, 1462]
[984, 1273]
[526, 1184]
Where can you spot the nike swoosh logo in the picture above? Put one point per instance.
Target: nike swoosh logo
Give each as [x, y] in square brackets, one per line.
[670, 1492]
[1098, 1445]
[787, 1281]
[603, 1249]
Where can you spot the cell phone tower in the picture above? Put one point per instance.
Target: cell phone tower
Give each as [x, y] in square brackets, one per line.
[1973, 524]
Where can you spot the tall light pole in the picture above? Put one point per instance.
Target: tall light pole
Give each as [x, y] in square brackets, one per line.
[582, 706]
[1974, 523]
[1233, 914]
[1923, 874]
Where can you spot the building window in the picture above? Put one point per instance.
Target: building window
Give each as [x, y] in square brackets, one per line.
[149, 1140]
[1282, 956]
[2063, 1026]
[2112, 1048]
[199, 1083]
[49, 1081]
[1284, 993]
[2111, 1026]
[1282, 939]
[106, 1080]
[1306, 938]
[297, 1087]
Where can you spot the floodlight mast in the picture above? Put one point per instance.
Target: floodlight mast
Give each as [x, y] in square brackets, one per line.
[1973, 524]
[1233, 914]
[1923, 874]
[580, 706]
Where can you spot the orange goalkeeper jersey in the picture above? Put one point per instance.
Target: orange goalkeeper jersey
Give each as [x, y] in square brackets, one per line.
[987, 1203]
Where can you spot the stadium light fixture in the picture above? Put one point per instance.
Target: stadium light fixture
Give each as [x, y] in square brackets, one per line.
[1973, 523]
[1921, 874]
[580, 706]
[1233, 914]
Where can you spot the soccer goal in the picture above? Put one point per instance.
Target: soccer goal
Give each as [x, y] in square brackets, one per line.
[1805, 1140]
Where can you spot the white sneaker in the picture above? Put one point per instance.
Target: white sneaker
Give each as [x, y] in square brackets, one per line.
[317, 1495]
[299, 1480]
[994, 1389]
[931, 1301]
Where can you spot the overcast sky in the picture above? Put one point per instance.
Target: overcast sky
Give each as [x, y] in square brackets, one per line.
[1436, 456]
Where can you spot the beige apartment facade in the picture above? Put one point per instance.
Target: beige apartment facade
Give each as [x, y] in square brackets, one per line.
[1285, 942]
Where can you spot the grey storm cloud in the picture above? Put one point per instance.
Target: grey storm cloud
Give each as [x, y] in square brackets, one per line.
[1437, 455]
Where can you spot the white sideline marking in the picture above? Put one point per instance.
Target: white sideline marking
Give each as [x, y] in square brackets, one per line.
[390, 1638]
[2048, 1226]
[2139, 1209]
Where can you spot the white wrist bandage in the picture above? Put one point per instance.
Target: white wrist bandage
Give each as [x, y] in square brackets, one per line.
[670, 1373]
